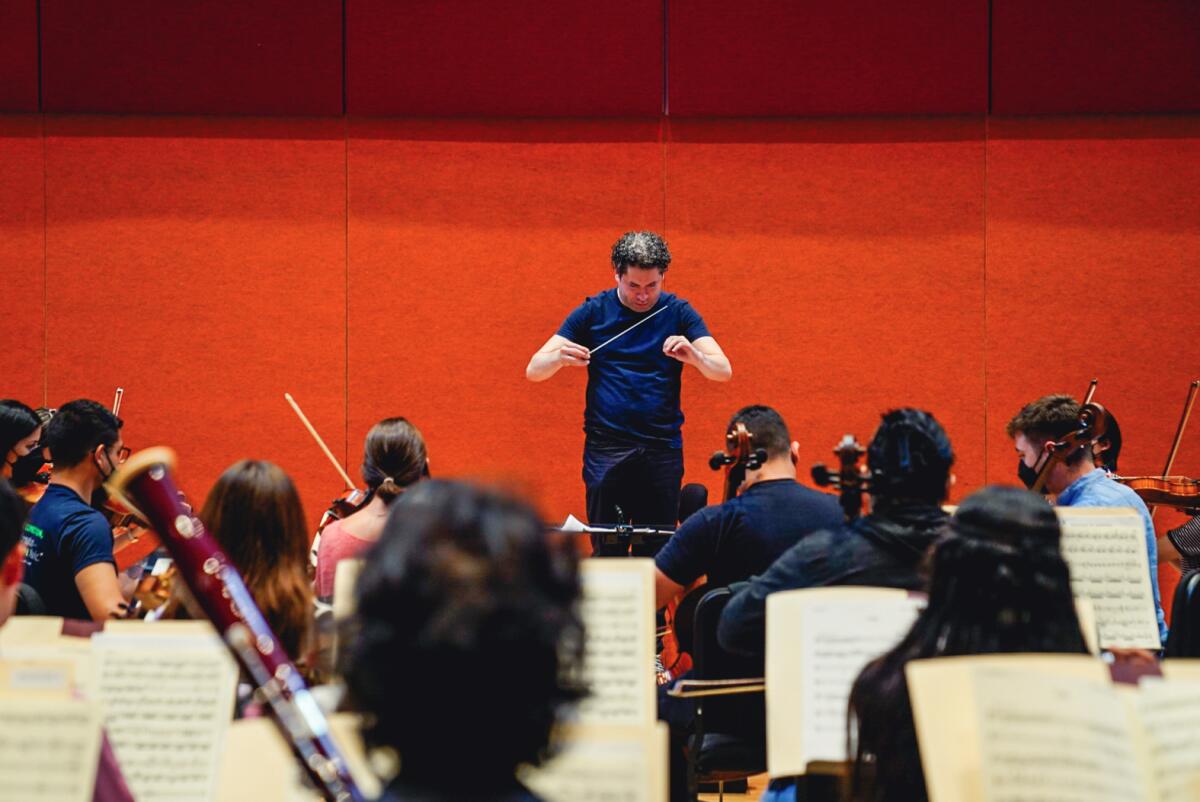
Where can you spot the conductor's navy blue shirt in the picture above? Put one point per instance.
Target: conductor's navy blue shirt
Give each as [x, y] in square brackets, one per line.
[633, 387]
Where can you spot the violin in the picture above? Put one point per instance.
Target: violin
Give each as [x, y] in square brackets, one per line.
[1170, 491]
[739, 456]
[852, 480]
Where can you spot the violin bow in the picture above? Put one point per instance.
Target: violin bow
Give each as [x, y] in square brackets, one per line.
[1183, 421]
[313, 431]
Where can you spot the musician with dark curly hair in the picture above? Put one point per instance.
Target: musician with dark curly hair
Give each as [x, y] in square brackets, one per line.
[466, 646]
[634, 340]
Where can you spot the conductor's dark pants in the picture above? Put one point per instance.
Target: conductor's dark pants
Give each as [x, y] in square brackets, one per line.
[640, 481]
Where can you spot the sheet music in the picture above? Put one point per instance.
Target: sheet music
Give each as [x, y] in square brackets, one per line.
[618, 617]
[1169, 712]
[817, 643]
[49, 749]
[30, 628]
[1106, 551]
[168, 704]
[75, 652]
[613, 764]
[1054, 739]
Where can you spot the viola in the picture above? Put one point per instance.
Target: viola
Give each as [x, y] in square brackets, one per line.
[1180, 492]
[852, 480]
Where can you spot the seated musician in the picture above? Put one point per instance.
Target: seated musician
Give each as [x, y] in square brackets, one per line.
[254, 513]
[69, 544]
[743, 536]
[394, 458]
[910, 459]
[998, 584]
[466, 643]
[1076, 481]
[20, 430]
[12, 555]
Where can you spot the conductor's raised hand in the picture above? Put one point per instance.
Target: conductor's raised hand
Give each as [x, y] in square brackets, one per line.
[570, 353]
[679, 347]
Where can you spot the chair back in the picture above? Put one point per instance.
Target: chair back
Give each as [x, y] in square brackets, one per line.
[739, 714]
[29, 601]
[1184, 637]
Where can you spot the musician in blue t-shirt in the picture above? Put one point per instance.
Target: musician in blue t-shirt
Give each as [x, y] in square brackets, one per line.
[634, 340]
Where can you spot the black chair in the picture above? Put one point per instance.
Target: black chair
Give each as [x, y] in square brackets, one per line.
[1184, 638]
[729, 739]
[29, 601]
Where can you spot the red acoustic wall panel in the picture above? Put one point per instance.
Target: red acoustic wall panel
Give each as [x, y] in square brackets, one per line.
[1092, 245]
[469, 244]
[22, 266]
[271, 57]
[480, 57]
[1084, 56]
[814, 57]
[200, 264]
[840, 264]
[18, 55]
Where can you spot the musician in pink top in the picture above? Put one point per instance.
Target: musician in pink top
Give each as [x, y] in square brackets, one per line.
[393, 458]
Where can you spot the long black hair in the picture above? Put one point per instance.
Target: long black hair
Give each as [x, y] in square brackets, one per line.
[998, 584]
[17, 421]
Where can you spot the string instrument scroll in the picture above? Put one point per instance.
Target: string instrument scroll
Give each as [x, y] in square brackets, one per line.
[739, 456]
[852, 480]
[146, 484]
[1090, 427]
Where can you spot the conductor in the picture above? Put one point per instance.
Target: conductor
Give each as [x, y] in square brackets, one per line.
[634, 340]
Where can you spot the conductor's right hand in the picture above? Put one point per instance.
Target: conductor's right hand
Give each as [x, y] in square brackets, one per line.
[550, 358]
[570, 353]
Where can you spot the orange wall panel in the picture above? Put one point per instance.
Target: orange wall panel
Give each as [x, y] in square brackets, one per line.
[1093, 245]
[469, 243]
[22, 266]
[840, 265]
[200, 263]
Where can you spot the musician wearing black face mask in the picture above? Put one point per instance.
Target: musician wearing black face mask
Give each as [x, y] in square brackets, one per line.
[68, 544]
[1076, 480]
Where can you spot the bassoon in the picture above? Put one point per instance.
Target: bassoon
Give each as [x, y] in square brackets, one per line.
[145, 483]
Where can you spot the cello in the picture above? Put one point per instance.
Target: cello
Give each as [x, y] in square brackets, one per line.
[852, 480]
[738, 456]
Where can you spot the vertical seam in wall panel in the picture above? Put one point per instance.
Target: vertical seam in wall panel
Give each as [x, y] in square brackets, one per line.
[45, 266]
[664, 126]
[666, 58]
[346, 299]
[345, 60]
[38, 18]
[989, 57]
[986, 147]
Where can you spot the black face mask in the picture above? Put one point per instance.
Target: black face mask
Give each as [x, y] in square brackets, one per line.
[1026, 474]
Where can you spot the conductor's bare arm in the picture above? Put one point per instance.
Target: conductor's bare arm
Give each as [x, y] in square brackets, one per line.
[557, 351]
[703, 353]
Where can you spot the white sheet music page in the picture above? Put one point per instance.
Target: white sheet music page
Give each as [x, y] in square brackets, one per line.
[167, 704]
[1169, 711]
[618, 618]
[49, 749]
[818, 640]
[1054, 739]
[1106, 551]
[583, 771]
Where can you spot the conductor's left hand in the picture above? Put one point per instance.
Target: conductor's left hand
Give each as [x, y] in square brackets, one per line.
[679, 347]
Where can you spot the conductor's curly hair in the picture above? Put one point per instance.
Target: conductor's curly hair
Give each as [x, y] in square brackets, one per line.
[466, 637]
